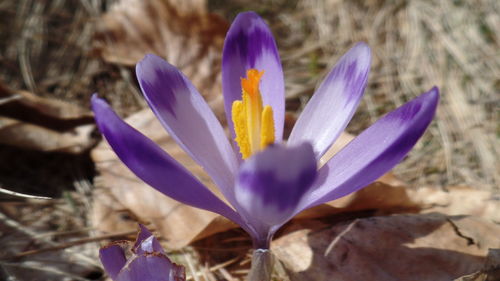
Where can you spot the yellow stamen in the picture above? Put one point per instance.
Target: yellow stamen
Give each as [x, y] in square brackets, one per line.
[267, 131]
[253, 125]
[240, 128]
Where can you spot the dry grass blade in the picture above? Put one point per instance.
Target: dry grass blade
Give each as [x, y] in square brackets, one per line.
[41, 266]
[408, 247]
[22, 195]
[417, 44]
[29, 232]
[44, 48]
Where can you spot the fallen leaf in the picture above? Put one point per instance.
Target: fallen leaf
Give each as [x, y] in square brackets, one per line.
[26, 135]
[399, 247]
[182, 32]
[458, 200]
[37, 123]
[379, 197]
[50, 113]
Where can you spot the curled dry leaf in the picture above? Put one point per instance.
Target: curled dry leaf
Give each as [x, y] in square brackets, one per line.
[174, 29]
[399, 247]
[182, 32]
[26, 135]
[32, 122]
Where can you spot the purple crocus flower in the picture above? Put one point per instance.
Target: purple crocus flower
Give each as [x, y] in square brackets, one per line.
[147, 262]
[264, 181]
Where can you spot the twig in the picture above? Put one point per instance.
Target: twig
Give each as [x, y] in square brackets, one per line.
[337, 239]
[9, 99]
[22, 195]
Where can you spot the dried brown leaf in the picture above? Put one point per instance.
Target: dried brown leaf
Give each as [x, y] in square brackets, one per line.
[400, 247]
[182, 32]
[379, 197]
[26, 135]
[458, 200]
[50, 113]
[32, 122]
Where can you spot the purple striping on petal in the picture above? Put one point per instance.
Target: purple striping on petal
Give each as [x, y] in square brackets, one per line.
[249, 44]
[189, 120]
[334, 102]
[375, 151]
[355, 80]
[245, 48]
[153, 165]
[273, 191]
[408, 112]
[271, 183]
[155, 79]
[353, 77]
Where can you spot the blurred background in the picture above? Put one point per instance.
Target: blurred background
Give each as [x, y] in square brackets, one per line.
[55, 54]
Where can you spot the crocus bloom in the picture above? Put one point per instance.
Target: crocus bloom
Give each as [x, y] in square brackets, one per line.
[147, 262]
[265, 181]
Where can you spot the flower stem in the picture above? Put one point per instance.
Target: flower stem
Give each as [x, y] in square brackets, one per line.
[262, 265]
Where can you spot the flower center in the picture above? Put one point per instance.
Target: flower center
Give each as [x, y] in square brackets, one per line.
[253, 124]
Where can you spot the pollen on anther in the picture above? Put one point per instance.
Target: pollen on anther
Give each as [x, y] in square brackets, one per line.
[253, 124]
[267, 130]
[240, 128]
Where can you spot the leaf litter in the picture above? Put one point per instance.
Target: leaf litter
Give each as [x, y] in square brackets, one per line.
[411, 50]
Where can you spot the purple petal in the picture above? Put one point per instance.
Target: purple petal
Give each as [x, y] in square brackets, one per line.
[153, 267]
[250, 44]
[334, 103]
[146, 242]
[113, 259]
[153, 165]
[272, 183]
[143, 234]
[188, 119]
[375, 151]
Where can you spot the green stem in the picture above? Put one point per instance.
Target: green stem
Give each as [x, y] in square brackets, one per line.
[262, 265]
